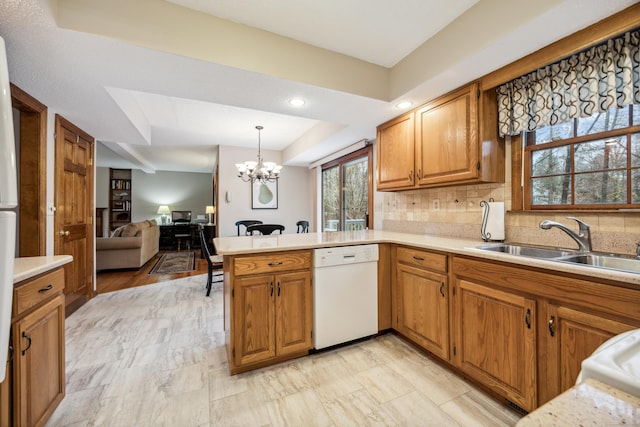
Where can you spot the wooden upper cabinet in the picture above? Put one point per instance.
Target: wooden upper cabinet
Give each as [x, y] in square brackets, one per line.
[447, 138]
[395, 145]
[454, 141]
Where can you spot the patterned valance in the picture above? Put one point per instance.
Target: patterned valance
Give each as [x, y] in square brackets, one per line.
[581, 85]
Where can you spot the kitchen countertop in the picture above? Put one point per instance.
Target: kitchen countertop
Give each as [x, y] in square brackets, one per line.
[590, 403]
[27, 267]
[282, 242]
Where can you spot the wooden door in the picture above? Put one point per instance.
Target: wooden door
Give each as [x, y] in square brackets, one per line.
[423, 308]
[254, 319]
[447, 139]
[395, 158]
[39, 362]
[497, 336]
[294, 312]
[570, 337]
[74, 210]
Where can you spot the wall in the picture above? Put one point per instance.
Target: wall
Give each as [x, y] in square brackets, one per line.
[179, 190]
[295, 193]
[459, 215]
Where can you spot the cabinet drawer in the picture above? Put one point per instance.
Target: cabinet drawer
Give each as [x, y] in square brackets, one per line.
[272, 263]
[418, 258]
[32, 292]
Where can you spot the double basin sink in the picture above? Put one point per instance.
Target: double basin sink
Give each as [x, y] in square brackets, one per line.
[592, 259]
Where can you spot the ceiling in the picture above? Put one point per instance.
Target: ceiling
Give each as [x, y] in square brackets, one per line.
[160, 84]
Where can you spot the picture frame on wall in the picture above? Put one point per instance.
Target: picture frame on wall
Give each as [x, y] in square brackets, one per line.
[264, 195]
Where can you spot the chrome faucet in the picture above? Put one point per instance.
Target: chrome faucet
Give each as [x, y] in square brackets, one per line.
[583, 237]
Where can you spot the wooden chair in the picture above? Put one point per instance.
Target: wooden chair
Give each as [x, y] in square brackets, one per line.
[246, 223]
[214, 262]
[303, 226]
[264, 228]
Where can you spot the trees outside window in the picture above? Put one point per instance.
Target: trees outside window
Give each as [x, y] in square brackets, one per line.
[347, 192]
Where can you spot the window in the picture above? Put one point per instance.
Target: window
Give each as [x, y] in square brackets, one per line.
[586, 163]
[347, 192]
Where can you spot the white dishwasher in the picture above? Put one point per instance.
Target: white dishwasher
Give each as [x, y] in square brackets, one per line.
[345, 294]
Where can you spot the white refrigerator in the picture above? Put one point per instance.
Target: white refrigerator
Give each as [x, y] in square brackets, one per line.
[8, 200]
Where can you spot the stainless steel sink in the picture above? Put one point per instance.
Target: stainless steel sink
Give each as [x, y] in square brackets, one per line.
[528, 251]
[615, 262]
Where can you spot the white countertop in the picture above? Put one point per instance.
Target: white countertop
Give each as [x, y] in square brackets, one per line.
[27, 267]
[282, 242]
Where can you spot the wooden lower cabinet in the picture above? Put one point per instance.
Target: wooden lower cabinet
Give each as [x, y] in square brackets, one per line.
[568, 337]
[422, 303]
[35, 382]
[272, 313]
[497, 340]
[524, 332]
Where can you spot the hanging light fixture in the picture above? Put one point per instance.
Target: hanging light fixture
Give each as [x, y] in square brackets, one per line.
[258, 171]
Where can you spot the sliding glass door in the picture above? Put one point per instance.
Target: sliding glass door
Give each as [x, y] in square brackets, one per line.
[347, 191]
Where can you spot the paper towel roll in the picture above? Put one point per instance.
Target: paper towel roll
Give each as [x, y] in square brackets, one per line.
[494, 229]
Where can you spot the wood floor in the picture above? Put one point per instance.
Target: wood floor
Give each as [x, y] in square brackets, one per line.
[115, 280]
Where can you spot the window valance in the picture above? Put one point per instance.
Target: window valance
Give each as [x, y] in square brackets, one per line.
[588, 82]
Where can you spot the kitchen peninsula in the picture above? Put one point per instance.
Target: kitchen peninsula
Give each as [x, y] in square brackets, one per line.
[539, 303]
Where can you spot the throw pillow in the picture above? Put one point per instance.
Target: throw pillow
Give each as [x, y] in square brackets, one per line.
[130, 230]
[118, 231]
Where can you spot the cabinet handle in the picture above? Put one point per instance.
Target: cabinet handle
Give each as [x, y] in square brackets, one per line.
[419, 174]
[527, 318]
[275, 264]
[417, 258]
[46, 289]
[442, 289]
[64, 233]
[411, 175]
[552, 321]
[271, 284]
[12, 353]
[278, 288]
[24, 335]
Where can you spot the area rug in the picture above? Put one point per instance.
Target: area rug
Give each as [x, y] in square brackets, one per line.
[174, 262]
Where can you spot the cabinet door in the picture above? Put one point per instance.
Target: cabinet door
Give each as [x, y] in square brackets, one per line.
[571, 337]
[395, 153]
[39, 363]
[447, 139]
[423, 308]
[293, 312]
[254, 316]
[496, 333]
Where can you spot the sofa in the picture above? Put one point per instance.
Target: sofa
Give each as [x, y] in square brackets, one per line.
[129, 246]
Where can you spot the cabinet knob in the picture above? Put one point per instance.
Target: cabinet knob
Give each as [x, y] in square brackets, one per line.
[64, 233]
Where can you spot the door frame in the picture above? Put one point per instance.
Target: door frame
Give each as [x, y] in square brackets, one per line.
[32, 169]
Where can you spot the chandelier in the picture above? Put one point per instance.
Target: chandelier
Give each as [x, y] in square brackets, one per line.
[258, 171]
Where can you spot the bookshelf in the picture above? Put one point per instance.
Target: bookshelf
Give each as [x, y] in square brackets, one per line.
[119, 197]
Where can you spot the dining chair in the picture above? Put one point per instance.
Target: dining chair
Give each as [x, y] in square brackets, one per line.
[214, 261]
[303, 226]
[246, 223]
[264, 228]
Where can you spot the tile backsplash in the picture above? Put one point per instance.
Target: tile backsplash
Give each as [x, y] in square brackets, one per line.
[456, 212]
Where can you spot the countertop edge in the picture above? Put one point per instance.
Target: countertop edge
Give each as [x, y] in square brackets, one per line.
[27, 267]
[458, 246]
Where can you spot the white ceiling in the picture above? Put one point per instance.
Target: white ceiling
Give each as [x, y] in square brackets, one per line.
[157, 103]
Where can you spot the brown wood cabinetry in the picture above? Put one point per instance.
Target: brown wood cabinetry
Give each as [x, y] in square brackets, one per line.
[451, 140]
[36, 378]
[496, 340]
[421, 299]
[395, 156]
[570, 316]
[569, 337]
[270, 299]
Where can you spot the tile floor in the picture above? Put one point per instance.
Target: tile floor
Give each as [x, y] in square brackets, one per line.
[154, 356]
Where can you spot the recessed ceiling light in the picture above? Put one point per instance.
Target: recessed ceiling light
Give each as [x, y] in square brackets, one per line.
[296, 102]
[404, 104]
